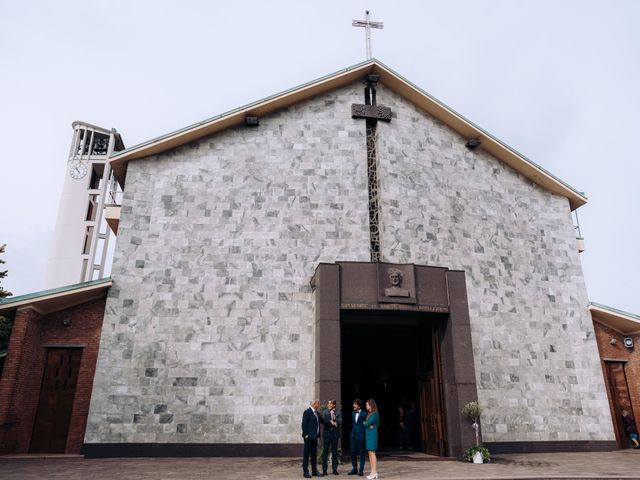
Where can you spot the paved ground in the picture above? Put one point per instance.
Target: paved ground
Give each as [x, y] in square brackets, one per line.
[618, 464]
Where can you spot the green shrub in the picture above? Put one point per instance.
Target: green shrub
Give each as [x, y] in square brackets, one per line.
[470, 452]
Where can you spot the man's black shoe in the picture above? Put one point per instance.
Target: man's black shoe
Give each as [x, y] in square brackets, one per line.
[335, 472]
[324, 474]
[306, 475]
[361, 474]
[353, 472]
[316, 474]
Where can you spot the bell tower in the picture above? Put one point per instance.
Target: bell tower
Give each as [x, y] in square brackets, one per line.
[81, 236]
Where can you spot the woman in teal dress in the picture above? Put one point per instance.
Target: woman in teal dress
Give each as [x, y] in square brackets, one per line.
[371, 424]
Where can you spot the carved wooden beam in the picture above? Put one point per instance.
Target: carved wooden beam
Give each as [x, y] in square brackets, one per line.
[371, 112]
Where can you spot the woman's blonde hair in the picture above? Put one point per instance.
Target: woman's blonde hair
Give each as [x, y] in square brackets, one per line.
[373, 405]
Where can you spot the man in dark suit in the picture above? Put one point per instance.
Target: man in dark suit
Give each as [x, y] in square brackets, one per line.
[357, 438]
[332, 421]
[311, 433]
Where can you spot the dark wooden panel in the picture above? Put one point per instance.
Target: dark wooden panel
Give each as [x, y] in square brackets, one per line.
[431, 414]
[56, 400]
[620, 398]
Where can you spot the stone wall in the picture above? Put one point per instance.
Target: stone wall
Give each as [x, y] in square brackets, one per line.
[208, 335]
[536, 358]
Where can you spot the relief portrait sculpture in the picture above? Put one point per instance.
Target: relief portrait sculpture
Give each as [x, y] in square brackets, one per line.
[395, 278]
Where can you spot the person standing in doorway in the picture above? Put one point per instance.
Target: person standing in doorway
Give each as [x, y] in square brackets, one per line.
[310, 434]
[414, 426]
[371, 423]
[630, 428]
[332, 420]
[357, 438]
[404, 423]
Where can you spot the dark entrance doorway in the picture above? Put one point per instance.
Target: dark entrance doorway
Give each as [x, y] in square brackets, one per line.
[394, 359]
[347, 293]
[56, 400]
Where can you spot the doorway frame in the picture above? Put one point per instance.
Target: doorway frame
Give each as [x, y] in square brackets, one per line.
[36, 438]
[420, 332]
[616, 409]
[356, 285]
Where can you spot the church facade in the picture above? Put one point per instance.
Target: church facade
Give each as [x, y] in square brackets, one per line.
[352, 237]
[210, 331]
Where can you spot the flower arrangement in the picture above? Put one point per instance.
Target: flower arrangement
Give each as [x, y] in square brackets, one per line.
[472, 411]
[470, 452]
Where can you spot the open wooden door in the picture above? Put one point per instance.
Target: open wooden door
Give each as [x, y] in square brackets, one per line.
[620, 399]
[431, 414]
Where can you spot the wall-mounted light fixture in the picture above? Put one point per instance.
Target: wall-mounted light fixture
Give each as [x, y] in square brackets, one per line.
[252, 121]
[628, 342]
[66, 322]
[472, 143]
[613, 341]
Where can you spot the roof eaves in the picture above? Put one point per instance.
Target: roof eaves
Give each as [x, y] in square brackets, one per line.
[512, 157]
[248, 106]
[613, 311]
[484, 132]
[8, 301]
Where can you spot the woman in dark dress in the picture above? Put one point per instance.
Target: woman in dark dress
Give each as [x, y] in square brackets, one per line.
[371, 423]
[630, 428]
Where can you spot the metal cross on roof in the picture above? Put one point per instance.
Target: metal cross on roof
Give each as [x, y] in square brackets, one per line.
[368, 25]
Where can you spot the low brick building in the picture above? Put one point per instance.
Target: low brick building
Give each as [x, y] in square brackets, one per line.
[618, 337]
[46, 384]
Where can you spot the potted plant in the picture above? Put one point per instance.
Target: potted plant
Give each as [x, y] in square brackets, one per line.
[477, 453]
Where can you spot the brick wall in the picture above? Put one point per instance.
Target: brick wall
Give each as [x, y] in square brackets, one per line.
[19, 384]
[618, 351]
[22, 376]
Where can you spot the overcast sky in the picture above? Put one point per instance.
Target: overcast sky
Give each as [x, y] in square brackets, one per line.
[556, 80]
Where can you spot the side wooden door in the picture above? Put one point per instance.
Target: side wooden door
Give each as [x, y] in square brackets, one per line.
[56, 400]
[620, 399]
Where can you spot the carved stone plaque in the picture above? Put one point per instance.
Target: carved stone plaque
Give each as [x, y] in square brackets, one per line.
[372, 112]
[396, 283]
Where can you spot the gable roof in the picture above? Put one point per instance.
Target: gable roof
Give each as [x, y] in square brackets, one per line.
[55, 299]
[390, 79]
[621, 321]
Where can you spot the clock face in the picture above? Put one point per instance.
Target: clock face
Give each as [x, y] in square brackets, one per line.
[78, 170]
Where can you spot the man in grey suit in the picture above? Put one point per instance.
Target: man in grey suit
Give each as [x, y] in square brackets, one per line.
[332, 421]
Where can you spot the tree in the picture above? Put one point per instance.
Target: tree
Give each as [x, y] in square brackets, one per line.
[5, 323]
[3, 292]
[472, 411]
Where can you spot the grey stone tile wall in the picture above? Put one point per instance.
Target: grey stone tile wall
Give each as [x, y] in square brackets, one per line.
[208, 335]
[536, 359]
